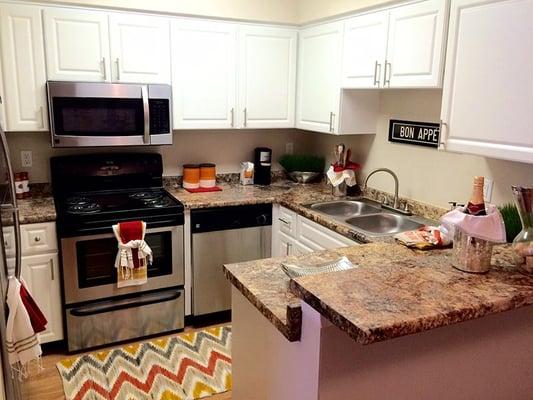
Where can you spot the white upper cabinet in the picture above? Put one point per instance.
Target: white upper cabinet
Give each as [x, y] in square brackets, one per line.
[486, 105]
[365, 39]
[23, 68]
[2, 96]
[204, 69]
[140, 48]
[267, 77]
[415, 49]
[397, 48]
[319, 72]
[77, 44]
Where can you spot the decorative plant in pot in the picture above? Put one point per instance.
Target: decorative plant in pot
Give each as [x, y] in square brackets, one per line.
[303, 168]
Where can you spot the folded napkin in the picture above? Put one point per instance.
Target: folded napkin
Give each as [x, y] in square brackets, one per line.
[133, 255]
[488, 227]
[346, 175]
[425, 238]
[22, 343]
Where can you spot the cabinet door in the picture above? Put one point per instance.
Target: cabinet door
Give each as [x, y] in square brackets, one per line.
[267, 77]
[204, 69]
[2, 96]
[77, 44]
[319, 75]
[486, 105]
[415, 46]
[318, 237]
[140, 48]
[300, 249]
[284, 246]
[364, 50]
[41, 273]
[23, 68]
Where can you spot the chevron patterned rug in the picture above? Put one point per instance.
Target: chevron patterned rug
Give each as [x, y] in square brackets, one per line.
[184, 367]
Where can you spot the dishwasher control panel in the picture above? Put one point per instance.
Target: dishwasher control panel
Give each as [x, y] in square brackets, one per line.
[232, 217]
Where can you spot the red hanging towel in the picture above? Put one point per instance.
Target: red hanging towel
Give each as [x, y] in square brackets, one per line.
[132, 231]
[37, 318]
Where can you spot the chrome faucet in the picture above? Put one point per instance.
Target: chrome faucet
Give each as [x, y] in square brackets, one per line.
[396, 202]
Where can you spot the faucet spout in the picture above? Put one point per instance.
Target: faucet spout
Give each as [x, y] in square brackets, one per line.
[396, 183]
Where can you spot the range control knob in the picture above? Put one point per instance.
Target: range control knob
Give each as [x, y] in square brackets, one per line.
[262, 219]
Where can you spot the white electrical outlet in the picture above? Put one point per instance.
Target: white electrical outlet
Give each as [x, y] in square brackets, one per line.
[289, 148]
[26, 157]
[487, 189]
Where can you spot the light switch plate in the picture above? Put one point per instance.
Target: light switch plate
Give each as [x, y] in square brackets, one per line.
[289, 148]
[26, 157]
[487, 189]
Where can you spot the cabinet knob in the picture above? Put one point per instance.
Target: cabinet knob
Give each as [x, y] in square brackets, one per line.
[37, 239]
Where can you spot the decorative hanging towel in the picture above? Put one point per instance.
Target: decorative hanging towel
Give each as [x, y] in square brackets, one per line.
[22, 343]
[133, 255]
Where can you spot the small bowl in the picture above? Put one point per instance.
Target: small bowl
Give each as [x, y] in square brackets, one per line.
[303, 177]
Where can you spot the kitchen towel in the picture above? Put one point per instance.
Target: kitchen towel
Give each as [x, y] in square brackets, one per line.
[133, 255]
[22, 343]
[336, 178]
[488, 227]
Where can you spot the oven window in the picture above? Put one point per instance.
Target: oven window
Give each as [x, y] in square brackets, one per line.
[96, 259]
[92, 116]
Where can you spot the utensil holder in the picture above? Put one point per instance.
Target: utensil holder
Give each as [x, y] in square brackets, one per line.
[339, 190]
[471, 254]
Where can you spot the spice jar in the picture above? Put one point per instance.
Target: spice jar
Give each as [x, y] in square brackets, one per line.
[25, 185]
[19, 185]
[207, 175]
[191, 176]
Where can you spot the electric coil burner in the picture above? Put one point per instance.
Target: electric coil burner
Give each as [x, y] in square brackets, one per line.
[92, 193]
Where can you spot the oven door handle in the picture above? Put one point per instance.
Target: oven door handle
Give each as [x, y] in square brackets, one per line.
[116, 305]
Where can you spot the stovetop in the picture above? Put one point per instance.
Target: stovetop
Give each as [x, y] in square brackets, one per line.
[94, 212]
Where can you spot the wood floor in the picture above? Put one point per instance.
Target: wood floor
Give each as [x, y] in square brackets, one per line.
[47, 385]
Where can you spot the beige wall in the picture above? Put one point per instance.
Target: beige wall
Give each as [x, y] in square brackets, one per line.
[225, 148]
[425, 174]
[312, 10]
[282, 11]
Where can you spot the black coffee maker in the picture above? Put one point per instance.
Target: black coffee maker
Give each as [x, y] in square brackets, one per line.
[262, 165]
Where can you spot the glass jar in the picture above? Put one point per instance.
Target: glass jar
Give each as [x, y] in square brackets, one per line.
[523, 242]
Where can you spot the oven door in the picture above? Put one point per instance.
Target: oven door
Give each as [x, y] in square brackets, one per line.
[89, 271]
[109, 114]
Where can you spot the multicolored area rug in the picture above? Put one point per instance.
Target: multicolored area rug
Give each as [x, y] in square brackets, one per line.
[185, 367]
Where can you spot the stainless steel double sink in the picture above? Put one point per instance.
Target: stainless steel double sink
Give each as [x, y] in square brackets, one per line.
[366, 215]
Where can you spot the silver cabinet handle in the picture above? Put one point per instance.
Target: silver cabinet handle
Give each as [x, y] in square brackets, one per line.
[285, 222]
[376, 73]
[289, 245]
[386, 80]
[52, 274]
[41, 116]
[331, 122]
[146, 112]
[117, 61]
[442, 136]
[245, 117]
[232, 117]
[104, 69]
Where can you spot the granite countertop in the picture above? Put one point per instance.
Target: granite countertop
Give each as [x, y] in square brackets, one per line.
[393, 292]
[37, 209]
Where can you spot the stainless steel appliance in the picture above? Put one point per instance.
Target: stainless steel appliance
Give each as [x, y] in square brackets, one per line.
[109, 114]
[9, 225]
[93, 192]
[220, 236]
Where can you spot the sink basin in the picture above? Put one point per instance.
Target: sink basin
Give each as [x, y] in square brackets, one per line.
[345, 208]
[383, 224]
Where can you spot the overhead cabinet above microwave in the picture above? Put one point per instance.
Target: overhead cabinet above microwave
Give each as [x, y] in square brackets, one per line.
[109, 114]
[83, 45]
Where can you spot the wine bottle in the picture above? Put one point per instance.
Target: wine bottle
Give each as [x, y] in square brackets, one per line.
[476, 204]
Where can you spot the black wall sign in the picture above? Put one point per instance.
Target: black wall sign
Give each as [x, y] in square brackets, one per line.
[417, 133]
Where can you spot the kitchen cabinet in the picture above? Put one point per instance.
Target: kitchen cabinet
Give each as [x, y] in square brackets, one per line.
[204, 72]
[486, 105]
[2, 96]
[40, 271]
[76, 44]
[140, 48]
[293, 234]
[319, 63]
[267, 77]
[23, 67]
[321, 104]
[397, 48]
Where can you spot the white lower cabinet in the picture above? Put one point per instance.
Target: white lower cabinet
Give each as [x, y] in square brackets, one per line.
[40, 271]
[293, 234]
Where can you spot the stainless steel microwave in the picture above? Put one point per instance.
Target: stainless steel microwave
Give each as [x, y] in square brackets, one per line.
[109, 114]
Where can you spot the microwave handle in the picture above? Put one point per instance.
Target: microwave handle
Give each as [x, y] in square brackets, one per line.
[146, 108]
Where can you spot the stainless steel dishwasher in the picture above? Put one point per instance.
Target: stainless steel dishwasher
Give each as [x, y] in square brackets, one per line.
[220, 236]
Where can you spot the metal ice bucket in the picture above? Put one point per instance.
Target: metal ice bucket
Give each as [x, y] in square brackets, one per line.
[471, 254]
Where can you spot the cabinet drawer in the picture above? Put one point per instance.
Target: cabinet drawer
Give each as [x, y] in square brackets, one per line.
[38, 238]
[318, 237]
[287, 221]
[9, 241]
